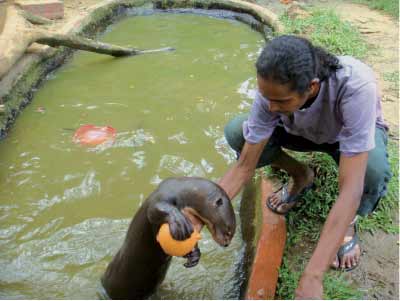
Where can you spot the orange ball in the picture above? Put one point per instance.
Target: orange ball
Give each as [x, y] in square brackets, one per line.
[175, 247]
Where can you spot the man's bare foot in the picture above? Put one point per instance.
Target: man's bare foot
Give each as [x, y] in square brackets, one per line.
[299, 181]
[350, 259]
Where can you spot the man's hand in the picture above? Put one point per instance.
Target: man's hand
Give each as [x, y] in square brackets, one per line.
[310, 287]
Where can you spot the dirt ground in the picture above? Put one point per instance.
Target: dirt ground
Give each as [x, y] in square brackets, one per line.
[378, 273]
[380, 31]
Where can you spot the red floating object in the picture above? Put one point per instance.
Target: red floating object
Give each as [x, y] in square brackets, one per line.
[92, 135]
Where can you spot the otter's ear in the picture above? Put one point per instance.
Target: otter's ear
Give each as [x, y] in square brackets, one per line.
[219, 202]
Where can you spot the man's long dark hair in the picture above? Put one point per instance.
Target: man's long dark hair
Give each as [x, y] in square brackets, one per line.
[295, 61]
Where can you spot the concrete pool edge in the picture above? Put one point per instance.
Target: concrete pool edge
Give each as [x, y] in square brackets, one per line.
[260, 13]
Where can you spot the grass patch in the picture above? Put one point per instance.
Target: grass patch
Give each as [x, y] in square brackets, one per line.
[325, 28]
[390, 7]
[335, 285]
[304, 222]
[392, 77]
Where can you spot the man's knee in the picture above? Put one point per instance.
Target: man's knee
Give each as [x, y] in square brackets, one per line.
[376, 181]
[377, 174]
[234, 132]
[378, 168]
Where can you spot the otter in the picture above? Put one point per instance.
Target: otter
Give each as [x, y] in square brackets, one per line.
[140, 265]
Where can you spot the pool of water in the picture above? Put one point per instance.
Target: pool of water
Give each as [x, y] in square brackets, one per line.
[65, 209]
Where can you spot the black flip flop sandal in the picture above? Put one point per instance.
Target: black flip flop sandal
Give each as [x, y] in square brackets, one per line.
[288, 199]
[347, 247]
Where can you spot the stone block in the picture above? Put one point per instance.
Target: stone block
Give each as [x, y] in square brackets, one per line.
[51, 9]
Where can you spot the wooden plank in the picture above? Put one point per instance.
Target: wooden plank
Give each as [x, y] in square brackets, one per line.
[269, 252]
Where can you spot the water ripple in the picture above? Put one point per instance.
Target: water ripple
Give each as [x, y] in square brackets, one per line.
[180, 138]
[129, 139]
[45, 229]
[139, 159]
[247, 88]
[89, 186]
[220, 144]
[179, 166]
[40, 260]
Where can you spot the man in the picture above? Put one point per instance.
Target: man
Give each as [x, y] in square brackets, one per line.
[310, 100]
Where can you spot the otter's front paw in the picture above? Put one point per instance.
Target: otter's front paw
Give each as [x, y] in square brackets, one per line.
[193, 258]
[180, 227]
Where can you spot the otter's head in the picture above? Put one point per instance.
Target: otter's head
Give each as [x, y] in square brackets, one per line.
[215, 210]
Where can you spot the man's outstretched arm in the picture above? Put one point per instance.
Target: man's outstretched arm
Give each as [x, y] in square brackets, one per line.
[242, 171]
[351, 184]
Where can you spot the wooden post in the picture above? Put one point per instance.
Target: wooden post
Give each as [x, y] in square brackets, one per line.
[268, 258]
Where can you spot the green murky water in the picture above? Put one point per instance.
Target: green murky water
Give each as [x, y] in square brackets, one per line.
[65, 209]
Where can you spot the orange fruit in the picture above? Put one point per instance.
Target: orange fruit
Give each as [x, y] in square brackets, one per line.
[175, 247]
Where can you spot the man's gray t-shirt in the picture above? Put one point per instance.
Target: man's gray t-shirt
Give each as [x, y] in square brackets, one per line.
[346, 110]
